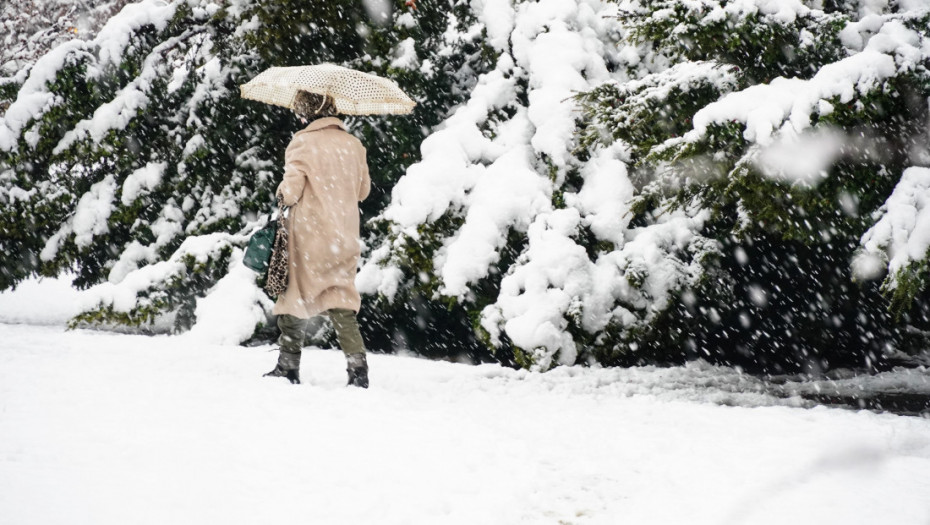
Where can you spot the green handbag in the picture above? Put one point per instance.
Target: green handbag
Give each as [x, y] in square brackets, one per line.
[258, 252]
[261, 245]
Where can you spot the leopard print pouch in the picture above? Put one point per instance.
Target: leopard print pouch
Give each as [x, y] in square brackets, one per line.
[276, 280]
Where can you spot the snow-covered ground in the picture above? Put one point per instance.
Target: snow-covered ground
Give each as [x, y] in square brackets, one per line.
[102, 428]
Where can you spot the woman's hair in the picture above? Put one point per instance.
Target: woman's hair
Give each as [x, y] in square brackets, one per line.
[311, 106]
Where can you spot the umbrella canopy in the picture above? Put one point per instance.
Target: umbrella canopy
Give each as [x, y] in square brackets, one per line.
[354, 92]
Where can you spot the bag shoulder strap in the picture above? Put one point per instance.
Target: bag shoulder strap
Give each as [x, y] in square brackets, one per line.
[281, 210]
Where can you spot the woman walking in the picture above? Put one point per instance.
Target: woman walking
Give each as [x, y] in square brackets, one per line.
[325, 177]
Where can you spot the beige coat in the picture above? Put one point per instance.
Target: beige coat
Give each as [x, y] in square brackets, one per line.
[325, 177]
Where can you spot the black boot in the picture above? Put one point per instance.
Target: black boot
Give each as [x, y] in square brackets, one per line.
[358, 370]
[288, 367]
[292, 375]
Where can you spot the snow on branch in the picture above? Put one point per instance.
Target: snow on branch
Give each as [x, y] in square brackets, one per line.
[789, 103]
[34, 97]
[128, 102]
[901, 234]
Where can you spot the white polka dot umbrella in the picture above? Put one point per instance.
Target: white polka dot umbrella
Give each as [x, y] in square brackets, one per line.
[354, 92]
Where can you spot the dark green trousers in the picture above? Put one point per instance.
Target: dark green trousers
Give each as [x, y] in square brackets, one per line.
[293, 331]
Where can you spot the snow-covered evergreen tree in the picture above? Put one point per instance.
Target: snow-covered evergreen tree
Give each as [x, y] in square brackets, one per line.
[508, 219]
[705, 194]
[829, 109]
[32, 27]
[130, 160]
